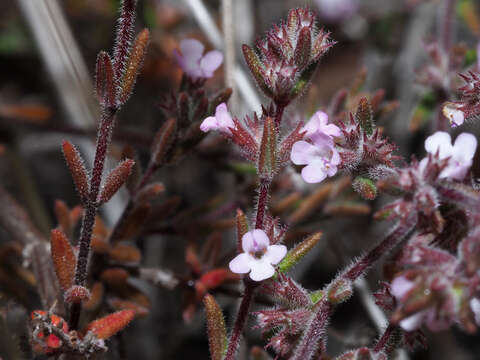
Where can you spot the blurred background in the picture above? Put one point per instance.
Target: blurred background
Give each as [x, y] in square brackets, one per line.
[48, 50]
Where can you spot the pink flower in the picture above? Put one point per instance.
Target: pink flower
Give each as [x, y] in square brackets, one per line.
[401, 286]
[318, 123]
[194, 63]
[258, 257]
[336, 10]
[460, 153]
[452, 112]
[222, 121]
[321, 158]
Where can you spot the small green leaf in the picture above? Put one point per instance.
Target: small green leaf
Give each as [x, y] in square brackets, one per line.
[298, 252]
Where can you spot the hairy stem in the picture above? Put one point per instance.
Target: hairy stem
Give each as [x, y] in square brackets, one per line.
[316, 329]
[91, 207]
[240, 321]
[384, 343]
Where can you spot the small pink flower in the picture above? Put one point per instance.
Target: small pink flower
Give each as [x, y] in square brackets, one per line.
[401, 286]
[452, 112]
[258, 257]
[194, 63]
[222, 121]
[318, 123]
[460, 153]
[336, 10]
[321, 158]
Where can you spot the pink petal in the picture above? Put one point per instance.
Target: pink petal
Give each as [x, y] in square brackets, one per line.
[412, 322]
[302, 152]
[240, 264]
[261, 270]
[223, 116]
[322, 117]
[210, 123]
[439, 141]
[401, 286]
[261, 239]
[211, 62]
[191, 49]
[332, 130]
[314, 173]
[255, 240]
[275, 253]
[312, 126]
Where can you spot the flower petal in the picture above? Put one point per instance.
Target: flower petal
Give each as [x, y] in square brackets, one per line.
[401, 286]
[465, 146]
[240, 264]
[440, 141]
[314, 172]
[412, 322]
[223, 117]
[261, 270]
[211, 62]
[302, 152]
[247, 242]
[261, 239]
[275, 253]
[210, 123]
[192, 49]
[332, 130]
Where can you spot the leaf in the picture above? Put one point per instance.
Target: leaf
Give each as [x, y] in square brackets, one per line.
[105, 81]
[135, 61]
[267, 160]
[242, 228]
[109, 325]
[77, 169]
[115, 180]
[256, 68]
[298, 252]
[163, 141]
[364, 116]
[62, 213]
[64, 259]
[365, 187]
[217, 333]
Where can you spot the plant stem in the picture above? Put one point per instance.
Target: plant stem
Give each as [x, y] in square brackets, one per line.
[240, 321]
[383, 343]
[324, 309]
[91, 207]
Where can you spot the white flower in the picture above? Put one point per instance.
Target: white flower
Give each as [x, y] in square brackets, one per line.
[460, 153]
[258, 257]
[454, 114]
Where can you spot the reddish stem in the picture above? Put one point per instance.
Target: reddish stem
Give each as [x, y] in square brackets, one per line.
[240, 321]
[91, 207]
[324, 309]
[383, 343]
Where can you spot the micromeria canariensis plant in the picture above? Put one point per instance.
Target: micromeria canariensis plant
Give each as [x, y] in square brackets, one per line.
[288, 176]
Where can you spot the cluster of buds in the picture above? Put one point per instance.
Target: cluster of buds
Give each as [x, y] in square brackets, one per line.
[436, 288]
[469, 105]
[257, 138]
[51, 336]
[284, 61]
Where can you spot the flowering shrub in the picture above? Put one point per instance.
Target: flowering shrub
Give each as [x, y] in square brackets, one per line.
[290, 178]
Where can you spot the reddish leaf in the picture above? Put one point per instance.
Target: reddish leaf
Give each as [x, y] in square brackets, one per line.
[125, 254]
[135, 61]
[109, 325]
[115, 180]
[105, 81]
[149, 192]
[63, 216]
[217, 333]
[77, 169]
[163, 140]
[64, 259]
